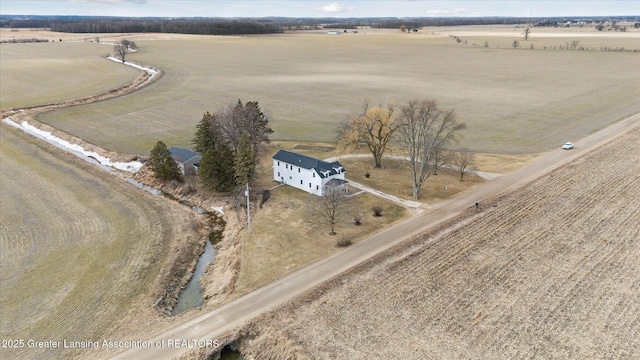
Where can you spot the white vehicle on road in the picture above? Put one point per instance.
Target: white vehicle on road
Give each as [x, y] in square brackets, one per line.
[568, 146]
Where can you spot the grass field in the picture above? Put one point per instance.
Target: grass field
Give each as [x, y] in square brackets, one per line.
[514, 101]
[78, 248]
[285, 238]
[36, 74]
[395, 179]
[550, 272]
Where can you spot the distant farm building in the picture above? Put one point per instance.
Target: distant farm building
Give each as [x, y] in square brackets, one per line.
[188, 161]
[307, 173]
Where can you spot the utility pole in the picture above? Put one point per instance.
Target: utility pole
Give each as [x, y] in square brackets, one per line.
[248, 209]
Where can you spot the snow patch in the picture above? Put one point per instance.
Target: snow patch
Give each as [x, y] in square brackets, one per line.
[219, 209]
[151, 71]
[131, 166]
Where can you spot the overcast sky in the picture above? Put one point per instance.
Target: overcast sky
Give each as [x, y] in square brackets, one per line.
[314, 8]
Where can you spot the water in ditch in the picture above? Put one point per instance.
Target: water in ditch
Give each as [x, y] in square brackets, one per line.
[229, 354]
[192, 295]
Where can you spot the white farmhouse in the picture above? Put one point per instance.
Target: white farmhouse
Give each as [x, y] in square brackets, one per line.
[307, 173]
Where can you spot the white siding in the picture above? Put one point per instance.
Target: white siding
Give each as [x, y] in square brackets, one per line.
[304, 179]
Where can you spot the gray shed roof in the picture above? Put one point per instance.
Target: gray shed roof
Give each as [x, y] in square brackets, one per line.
[323, 168]
[182, 155]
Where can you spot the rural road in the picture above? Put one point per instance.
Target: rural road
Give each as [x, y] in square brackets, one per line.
[214, 323]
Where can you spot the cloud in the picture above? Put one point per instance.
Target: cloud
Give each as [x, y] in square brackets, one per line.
[447, 11]
[110, 1]
[333, 8]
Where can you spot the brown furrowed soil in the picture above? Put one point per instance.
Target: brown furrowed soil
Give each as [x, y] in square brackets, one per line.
[79, 248]
[550, 271]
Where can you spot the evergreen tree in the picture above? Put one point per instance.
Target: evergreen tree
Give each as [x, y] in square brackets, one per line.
[245, 161]
[216, 167]
[162, 164]
[230, 141]
[206, 171]
[205, 137]
[224, 166]
[256, 124]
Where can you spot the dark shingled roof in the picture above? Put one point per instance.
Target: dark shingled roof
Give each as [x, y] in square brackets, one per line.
[323, 168]
[182, 155]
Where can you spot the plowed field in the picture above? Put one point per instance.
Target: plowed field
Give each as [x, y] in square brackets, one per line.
[552, 271]
[77, 250]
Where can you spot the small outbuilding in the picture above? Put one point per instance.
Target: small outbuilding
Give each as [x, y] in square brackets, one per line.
[307, 173]
[188, 161]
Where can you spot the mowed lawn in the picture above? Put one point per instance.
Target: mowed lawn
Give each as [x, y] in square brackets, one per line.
[286, 236]
[77, 250]
[514, 100]
[42, 73]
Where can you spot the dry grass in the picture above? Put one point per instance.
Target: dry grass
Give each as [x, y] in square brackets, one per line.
[395, 179]
[503, 163]
[550, 272]
[285, 238]
[77, 251]
[311, 82]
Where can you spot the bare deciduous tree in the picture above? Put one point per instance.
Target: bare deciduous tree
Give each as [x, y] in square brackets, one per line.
[463, 159]
[121, 52]
[123, 48]
[440, 157]
[328, 208]
[425, 131]
[526, 34]
[374, 128]
[574, 44]
[236, 120]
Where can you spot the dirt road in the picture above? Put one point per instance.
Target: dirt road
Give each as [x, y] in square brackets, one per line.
[216, 322]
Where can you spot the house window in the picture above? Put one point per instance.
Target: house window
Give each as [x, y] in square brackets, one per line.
[278, 163]
[278, 173]
[309, 185]
[317, 187]
[314, 174]
[286, 165]
[289, 177]
[300, 182]
[298, 169]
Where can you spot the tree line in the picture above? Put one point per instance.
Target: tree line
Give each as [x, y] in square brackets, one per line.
[198, 27]
[237, 26]
[144, 25]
